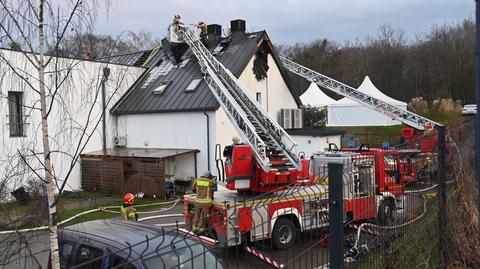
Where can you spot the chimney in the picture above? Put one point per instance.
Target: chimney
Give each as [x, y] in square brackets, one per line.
[214, 35]
[237, 28]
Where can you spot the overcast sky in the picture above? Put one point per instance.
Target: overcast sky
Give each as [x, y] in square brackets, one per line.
[288, 22]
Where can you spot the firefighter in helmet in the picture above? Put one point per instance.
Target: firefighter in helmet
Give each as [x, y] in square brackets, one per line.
[204, 187]
[203, 31]
[127, 210]
[177, 22]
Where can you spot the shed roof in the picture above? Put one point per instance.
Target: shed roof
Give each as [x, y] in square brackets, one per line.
[156, 153]
[140, 98]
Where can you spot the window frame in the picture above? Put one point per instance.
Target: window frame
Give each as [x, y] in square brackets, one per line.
[193, 84]
[160, 89]
[258, 97]
[15, 98]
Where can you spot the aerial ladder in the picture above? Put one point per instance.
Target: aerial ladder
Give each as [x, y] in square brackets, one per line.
[272, 147]
[406, 117]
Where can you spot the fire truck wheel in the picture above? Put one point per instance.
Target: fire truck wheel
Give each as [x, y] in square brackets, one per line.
[284, 234]
[386, 212]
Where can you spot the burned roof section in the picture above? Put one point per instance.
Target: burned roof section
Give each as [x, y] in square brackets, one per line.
[167, 86]
[139, 59]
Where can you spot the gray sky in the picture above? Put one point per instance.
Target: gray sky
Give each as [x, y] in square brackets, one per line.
[289, 21]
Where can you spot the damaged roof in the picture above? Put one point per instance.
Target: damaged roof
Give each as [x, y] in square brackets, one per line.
[165, 87]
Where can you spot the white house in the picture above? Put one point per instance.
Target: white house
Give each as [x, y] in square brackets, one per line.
[74, 99]
[171, 106]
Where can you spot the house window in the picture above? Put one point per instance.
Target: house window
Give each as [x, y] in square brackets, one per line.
[15, 115]
[193, 85]
[259, 97]
[161, 88]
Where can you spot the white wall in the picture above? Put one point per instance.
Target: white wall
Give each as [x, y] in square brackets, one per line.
[273, 89]
[313, 144]
[76, 109]
[183, 130]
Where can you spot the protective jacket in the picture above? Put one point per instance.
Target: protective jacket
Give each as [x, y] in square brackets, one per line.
[129, 212]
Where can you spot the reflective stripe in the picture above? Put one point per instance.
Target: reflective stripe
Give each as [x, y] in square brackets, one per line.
[203, 183]
[203, 201]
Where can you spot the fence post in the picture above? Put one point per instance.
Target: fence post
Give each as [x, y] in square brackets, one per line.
[335, 213]
[442, 197]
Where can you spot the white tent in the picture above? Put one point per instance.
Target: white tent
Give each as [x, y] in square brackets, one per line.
[346, 112]
[313, 96]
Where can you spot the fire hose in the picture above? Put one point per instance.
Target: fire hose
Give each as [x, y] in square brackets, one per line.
[354, 250]
[101, 209]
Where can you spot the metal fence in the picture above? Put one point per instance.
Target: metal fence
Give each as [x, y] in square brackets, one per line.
[361, 208]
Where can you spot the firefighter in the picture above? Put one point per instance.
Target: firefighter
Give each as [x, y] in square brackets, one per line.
[177, 23]
[203, 187]
[228, 150]
[204, 32]
[127, 210]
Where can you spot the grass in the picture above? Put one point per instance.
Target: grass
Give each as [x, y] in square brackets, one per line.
[373, 135]
[376, 135]
[101, 215]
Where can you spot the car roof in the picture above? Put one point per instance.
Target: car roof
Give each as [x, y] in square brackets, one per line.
[121, 234]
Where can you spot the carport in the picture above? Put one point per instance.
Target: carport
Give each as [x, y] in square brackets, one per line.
[121, 170]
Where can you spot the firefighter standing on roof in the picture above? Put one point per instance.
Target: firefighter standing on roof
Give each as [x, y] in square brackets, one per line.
[204, 31]
[177, 22]
[203, 201]
[127, 210]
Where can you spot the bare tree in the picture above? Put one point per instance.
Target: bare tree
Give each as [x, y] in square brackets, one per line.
[50, 90]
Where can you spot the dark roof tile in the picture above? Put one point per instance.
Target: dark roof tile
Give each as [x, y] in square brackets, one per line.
[140, 99]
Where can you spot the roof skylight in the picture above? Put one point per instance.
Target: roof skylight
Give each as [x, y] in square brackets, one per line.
[193, 84]
[161, 88]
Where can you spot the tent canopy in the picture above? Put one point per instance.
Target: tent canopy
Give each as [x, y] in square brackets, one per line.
[368, 88]
[314, 96]
[347, 112]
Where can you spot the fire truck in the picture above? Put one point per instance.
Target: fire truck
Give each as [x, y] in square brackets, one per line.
[293, 193]
[302, 206]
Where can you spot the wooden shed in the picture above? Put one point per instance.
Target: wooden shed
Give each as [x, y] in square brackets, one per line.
[121, 170]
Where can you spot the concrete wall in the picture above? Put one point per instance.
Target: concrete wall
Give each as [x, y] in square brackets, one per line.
[313, 144]
[187, 130]
[75, 110]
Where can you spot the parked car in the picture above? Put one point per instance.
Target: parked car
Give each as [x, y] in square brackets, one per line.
[122, 244]
[470, 109]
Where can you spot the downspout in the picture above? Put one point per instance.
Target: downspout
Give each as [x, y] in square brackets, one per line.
[208, 139]
[106, 73]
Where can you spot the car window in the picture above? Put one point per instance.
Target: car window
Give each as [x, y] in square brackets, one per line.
[88, 253]
[66, 251]
[116, 262]
[182, 258]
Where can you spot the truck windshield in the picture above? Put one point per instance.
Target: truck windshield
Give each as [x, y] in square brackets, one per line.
[193, 257]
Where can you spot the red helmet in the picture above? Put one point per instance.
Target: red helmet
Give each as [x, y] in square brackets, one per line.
[128, 198]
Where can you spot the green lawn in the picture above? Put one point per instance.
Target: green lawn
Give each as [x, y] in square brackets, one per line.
[103, 215]
[376, 135]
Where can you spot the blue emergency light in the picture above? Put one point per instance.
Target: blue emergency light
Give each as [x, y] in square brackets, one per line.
[386, 145]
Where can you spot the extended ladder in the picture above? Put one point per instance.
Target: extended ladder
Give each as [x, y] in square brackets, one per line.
[267, 138]
[409, 118]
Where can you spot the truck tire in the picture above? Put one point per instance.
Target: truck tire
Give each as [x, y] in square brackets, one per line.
[284, 234]
[385, 214]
